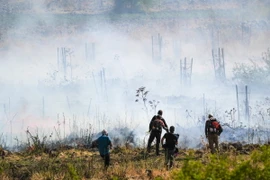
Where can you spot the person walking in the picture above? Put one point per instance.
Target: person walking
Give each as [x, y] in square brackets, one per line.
[156, 125]
[104, 145]
[212, 131]
[171, 140]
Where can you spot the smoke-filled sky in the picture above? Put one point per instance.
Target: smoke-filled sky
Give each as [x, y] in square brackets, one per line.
[38, 94]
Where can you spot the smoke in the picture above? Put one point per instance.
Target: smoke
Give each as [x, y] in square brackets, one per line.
[37, 92]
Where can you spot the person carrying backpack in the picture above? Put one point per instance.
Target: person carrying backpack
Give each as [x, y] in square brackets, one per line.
[212, 131]
[170, 146]
[156, 125]
[104, 144]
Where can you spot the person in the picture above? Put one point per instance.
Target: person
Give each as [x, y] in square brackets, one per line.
[104, 145]
[212, 131]
[170, 146]
[155, 128]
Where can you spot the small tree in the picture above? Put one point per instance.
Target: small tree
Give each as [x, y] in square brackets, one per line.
[141, 95]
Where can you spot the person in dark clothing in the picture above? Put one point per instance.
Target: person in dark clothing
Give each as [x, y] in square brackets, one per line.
[170, 146]
[212, 131]
[104, 144]
[155, 129]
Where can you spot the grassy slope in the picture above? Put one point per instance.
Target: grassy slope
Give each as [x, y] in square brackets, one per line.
[133, 164]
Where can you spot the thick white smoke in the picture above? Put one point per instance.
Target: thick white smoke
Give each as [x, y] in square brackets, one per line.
[36, 93]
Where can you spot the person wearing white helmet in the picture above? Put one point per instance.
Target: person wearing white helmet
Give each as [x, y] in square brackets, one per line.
[212, 131]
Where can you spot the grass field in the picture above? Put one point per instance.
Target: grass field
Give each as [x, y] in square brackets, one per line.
[247, 163]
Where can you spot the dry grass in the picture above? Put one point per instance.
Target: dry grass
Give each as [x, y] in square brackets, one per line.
[126, 163]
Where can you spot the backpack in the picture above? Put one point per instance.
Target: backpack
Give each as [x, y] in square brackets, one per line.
[214, 127]
[157, 124]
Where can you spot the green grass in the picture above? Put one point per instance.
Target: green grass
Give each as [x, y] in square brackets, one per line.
[228, 167]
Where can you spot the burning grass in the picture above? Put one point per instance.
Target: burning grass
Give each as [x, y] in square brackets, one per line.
[133, 163]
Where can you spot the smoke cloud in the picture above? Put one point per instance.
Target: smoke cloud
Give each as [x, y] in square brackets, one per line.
[108, 57]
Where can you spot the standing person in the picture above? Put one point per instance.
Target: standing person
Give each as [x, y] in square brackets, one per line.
[212, 130]
[104, 145]
[155, 129]
[171, 142]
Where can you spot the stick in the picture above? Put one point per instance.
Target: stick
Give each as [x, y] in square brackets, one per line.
[68, 104]
[88, 112]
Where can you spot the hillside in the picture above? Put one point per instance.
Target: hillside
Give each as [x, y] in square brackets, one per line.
[232, 163]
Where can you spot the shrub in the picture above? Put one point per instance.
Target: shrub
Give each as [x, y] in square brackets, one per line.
[227, 167]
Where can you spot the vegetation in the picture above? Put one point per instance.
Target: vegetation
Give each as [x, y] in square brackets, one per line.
[253, 162]
[39, 158]
[141, 96]
[227, 165]
[132, 6]
[256, 74]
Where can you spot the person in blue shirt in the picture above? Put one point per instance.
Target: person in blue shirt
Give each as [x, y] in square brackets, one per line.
[104, 145]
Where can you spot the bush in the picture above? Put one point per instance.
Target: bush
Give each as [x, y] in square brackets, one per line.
[227, 167]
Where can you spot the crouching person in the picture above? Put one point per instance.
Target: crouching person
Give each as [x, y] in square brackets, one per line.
[171, 140]
[104, 145]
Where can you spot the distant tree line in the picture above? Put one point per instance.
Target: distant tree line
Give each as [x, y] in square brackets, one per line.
[117, 6]
[132, 6]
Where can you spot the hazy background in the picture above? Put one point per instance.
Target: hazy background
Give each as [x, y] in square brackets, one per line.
[37, 94]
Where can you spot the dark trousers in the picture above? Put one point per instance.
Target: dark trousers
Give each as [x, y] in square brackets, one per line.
[106, 158]
[213, 142]
[154, 135]
[169, 157]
